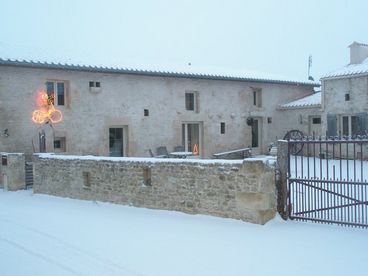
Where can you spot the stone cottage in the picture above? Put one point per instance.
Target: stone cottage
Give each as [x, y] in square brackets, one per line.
[345, 95]
[126, 112]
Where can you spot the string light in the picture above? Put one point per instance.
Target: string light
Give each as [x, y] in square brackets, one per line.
[46, 112]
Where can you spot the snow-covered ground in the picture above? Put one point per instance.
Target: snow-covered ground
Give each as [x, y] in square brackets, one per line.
[45, 235]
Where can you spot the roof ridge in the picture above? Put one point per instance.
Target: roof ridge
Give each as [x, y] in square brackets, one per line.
[303, 102]
[358, 43]
[148, 72]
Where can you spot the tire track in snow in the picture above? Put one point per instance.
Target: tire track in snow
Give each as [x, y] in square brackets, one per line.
[38, 255]
[108, 267]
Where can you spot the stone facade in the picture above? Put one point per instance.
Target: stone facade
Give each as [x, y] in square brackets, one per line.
[12, 171]
[120, 101]
[335, 103]
[300, 119]
[345, 95]
[236, 189]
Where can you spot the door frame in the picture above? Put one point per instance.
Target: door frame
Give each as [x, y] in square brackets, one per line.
[258, 150]
[200, 138]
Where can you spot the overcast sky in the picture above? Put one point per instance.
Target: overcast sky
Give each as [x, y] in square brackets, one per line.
[259, 35]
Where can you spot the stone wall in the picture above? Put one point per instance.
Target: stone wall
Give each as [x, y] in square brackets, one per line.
[300, 119]
[12, 171]
[236, 189]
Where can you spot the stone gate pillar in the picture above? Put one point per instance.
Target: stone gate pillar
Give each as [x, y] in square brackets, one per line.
[281, 178]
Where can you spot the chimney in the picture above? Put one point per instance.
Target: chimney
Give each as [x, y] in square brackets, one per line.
[358, 52]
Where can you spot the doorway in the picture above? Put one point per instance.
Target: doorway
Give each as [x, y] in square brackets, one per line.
[256, 135]
[192, 137]
[116, 141]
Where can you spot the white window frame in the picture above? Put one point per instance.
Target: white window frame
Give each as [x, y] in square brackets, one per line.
[62, 144]
[349, 124]
[124, 140]
[195, 101]
[200, 143]
[257, 97]
[55, 83]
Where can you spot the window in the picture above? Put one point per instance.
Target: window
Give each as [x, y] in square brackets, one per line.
[59, 144]
[146, 112]
[269, 120]
[56, 90]
[191, 137]
[94, 84]
[222, 128]
[347, 97]
[353, 125]
[116, 142]
[257, 97]
[316, 121]
[191, 101]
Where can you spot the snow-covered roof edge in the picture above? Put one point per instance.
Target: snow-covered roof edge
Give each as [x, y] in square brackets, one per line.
[310, 101]
[348, 70]
[154, 73]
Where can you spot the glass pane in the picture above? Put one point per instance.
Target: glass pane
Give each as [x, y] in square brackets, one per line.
[116, 144]
[111, 137]
[193, 138]
[189, 101]
[50, 91]
[354, 125]
[345, 125]
[118, 133]
[49, 87]
[60, 93]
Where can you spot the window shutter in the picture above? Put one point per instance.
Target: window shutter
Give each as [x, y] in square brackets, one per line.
[362, 123]
[331, 125]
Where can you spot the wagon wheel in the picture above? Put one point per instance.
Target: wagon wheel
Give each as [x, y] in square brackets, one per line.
[297, 135]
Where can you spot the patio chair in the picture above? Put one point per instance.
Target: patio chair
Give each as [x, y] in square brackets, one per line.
[162, 152]
[179, 148]
[151, 153]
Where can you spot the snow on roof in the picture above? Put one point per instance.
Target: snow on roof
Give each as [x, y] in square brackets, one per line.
[348, 70]
[358, 43]
[310, 101]
[178, 72]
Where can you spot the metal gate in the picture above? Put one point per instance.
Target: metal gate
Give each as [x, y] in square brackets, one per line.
[327, 180]
[29, 174]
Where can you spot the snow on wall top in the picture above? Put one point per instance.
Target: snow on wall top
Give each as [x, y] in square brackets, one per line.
[187, 72]
[139, 159]
[268, 160]
[310, 101]
[348, 70]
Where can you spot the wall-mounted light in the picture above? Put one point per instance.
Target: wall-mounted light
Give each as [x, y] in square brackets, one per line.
[5, 133]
